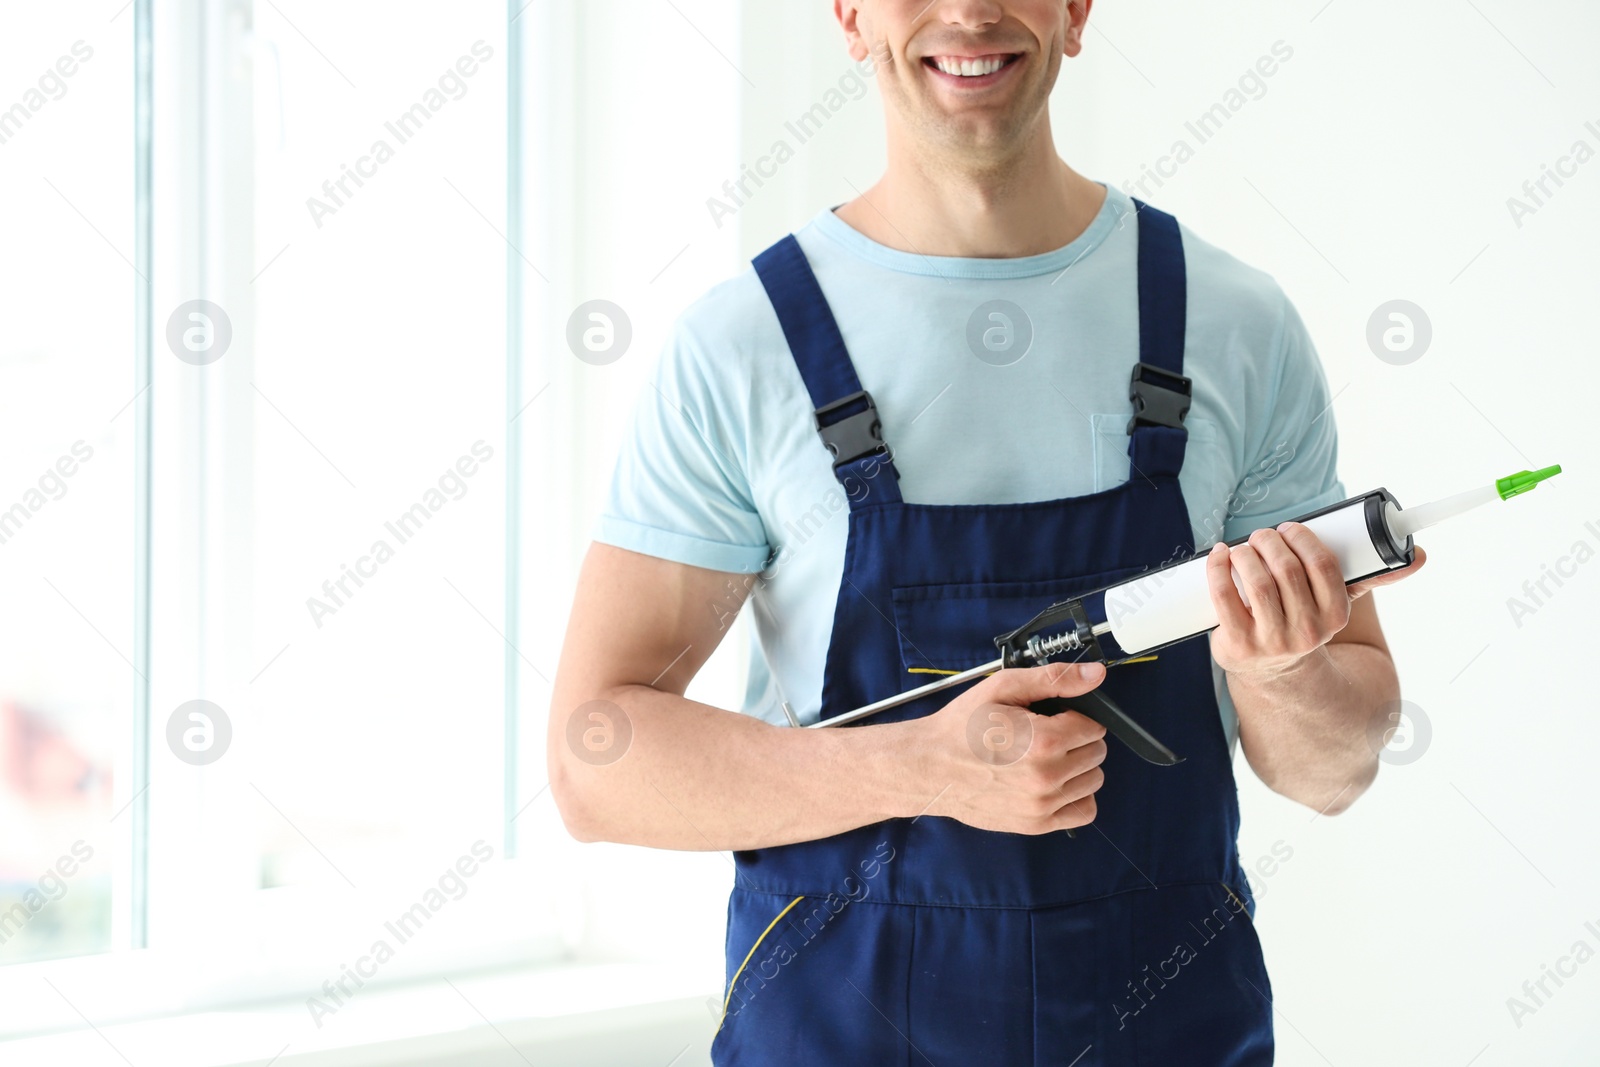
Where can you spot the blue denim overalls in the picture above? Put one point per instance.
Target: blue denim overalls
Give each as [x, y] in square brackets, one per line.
[918, 941]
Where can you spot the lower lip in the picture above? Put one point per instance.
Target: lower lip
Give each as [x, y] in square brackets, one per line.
[983, 81]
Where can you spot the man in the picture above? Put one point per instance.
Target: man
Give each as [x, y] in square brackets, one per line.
[963, 336]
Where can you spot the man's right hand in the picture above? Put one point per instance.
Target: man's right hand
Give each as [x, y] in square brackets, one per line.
[996, 765]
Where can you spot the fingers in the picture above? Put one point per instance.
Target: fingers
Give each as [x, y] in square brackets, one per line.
[1231, 611]
[1302, 615]
[1362, 588]
[1080, 811]
[1257, 580]
[1293, 580]
[1023, 686]
[1051, 784]
[1322, 572]
[1056, 736]
[1082, 787]
[1060, 762]
[1288, 571]
[1070, 802]
[1066, 750]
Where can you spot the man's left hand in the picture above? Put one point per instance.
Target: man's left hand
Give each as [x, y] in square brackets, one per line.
[1298, 598]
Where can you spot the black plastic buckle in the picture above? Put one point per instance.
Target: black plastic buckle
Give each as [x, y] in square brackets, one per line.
[853, 436]
[1163, 401]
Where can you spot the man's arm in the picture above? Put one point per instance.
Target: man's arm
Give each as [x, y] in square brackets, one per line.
[1307, 665]
[697, 777]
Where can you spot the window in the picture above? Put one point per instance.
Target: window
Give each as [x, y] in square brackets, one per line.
[304, 470]
[67, 491]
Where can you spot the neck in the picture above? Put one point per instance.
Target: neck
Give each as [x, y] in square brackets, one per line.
[1024, 203]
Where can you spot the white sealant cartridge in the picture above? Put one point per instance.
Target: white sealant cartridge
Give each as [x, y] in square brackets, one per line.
[1370, 534]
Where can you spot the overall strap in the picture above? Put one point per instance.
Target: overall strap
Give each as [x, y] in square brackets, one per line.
[844, 415]
[1158, 389]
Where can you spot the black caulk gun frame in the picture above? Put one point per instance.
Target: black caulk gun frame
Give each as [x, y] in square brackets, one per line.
[1020, 648]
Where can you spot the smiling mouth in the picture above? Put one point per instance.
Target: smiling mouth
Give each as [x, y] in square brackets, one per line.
[973, 68]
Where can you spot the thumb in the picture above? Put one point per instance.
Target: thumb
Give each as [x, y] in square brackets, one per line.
[1022, 686]
[1360, 589]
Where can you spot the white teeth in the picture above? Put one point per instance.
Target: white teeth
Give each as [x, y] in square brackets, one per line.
[968, 68]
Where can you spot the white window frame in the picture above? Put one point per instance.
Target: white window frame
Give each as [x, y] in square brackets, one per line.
[179, 941]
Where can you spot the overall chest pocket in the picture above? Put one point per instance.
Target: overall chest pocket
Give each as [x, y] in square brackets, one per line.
[1110, 433]
[951, 627]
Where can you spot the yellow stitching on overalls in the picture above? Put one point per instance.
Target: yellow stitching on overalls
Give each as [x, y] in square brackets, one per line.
[1235, 897]
[729, 998]
[936, 670]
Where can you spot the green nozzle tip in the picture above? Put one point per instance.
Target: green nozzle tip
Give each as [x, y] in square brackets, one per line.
[1522, 481]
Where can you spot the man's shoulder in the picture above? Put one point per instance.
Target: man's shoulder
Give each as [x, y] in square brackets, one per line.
[732, 316]
[1217, 277]
[733, 323]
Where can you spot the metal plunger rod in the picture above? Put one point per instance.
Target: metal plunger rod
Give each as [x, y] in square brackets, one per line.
[913, 694]
[924, 690]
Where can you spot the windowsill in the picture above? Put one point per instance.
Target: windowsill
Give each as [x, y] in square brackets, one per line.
[600, 1013]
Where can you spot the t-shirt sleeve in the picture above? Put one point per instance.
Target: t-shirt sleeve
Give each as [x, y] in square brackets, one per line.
[1294, 468]
[678, 490]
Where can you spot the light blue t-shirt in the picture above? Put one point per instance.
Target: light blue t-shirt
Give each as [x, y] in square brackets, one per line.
[722, 467]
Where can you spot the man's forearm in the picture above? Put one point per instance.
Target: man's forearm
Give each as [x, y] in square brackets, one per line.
[1312, 731]
[695, 777]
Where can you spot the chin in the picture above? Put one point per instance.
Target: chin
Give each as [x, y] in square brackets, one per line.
[994, 135]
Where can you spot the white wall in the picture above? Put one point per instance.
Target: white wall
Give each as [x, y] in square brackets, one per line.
[1377, 165]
